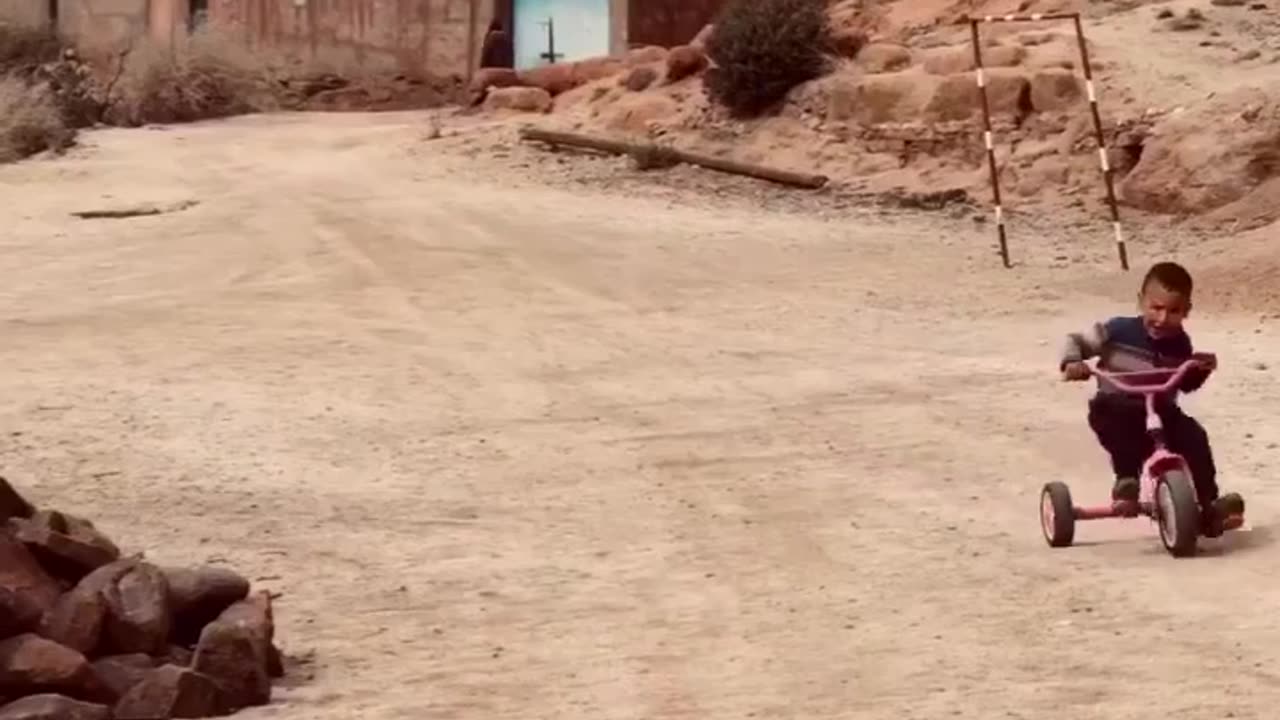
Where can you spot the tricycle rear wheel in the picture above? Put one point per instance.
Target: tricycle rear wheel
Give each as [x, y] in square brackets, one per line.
[1057, 514]
[1177, 513]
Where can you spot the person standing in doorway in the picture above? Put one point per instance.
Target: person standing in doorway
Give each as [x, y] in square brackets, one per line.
[497, 50]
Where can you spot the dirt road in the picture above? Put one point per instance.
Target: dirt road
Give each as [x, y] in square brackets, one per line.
[512, 451]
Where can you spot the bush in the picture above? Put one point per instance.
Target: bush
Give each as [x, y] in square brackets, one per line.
[22, 47]
[30, 121]
[211, 77]
[762, 49]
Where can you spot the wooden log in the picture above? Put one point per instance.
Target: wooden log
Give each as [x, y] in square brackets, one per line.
[649, 151]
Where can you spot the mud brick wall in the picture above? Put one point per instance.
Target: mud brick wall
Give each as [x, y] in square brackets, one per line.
[103, 22]
[25, 12]
[416, 37]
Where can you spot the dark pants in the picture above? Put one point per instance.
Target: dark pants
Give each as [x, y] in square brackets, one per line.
[1121, 427]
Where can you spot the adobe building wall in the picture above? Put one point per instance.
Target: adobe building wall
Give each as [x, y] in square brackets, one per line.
[414, 37]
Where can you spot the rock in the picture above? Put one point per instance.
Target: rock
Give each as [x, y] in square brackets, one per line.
[640, 78]
[957, 98]
[76, 621]
[172, 692]
[21, 574]
[884, 57]
[120, 673]
[554, 78]
[13, 504]
[486, 78]
[235, 650]
[878, 99]
[521, 99]
[645, 55]
[30, 664]
[1054, 90]
[700, 40]
[53, 707]
[636, 114]
[178, 655]
[960, 59]
[1209, 156]
[197, 596]
[684, 61]
[60, 553]
[848, 42]
[138, 617]
[19, 613]
[592, 69]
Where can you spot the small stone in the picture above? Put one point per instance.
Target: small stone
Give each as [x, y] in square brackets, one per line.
[197, 596]
[640, 78]
[235, 650]
[18, 613]
[685, 61]
[172, 692]
[121, 673]
[53, 707]
[138, 618]
[76, 621]
[21, 574]
[60, 553]
[30, 664]
[13, 504]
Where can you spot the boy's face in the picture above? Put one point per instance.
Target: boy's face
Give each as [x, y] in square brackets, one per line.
[1163, 310]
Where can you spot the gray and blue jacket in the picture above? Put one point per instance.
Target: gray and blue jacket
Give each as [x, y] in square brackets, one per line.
[1122, 344]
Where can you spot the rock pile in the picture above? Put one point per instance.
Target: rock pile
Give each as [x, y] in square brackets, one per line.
[89, 634]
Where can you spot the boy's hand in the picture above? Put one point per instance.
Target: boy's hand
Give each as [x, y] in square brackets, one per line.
[1207, 361]
[1076, 371]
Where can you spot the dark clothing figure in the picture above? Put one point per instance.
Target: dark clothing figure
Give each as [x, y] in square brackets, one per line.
[497, 50]
[1121, 430]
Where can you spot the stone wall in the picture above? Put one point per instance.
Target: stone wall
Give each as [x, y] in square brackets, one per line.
[416, 37]
[25, 12]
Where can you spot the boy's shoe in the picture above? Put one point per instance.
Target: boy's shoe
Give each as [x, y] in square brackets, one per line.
[1126, 489]
[1215, 514]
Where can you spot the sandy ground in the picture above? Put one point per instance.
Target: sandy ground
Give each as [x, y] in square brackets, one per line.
[525, 448]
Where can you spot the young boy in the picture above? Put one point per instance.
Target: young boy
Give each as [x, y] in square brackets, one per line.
[1153, 339]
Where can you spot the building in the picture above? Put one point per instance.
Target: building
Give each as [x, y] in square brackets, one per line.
[437, 37]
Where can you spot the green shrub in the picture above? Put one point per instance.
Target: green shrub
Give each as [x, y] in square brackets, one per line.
[762, 49]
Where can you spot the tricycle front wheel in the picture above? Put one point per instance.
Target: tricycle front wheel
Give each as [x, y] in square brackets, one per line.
[1177, 513]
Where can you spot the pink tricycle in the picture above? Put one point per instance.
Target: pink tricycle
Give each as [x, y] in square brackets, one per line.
[1168, 495]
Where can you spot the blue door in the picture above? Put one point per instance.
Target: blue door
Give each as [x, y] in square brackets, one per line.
[581, 30]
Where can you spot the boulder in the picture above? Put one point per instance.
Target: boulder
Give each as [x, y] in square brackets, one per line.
[21, 574]
[19, 613]
[197, 596]
[172, 692]
[53, 707]
[685, 61]
[1208, 157]
[30, 664]
[555, 78]
[120, 673]
[1054, 90]
[486, 79]
[138, 616]
[59, 552]
[645, 55]
[957, 96]
[848, 42]
[76, 621]
[235, 650]
[636, 114]
[884, 57]
[12, 504]
[592, 69]
[950, 61]
[640, 78]
[878, 99]
[521, 99]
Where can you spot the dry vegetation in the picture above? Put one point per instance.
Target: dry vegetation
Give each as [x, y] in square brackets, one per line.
[47, 92]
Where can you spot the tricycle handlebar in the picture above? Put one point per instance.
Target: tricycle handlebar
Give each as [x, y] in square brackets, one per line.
[1124, 381]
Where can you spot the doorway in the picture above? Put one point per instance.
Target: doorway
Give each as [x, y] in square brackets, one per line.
[548, 31]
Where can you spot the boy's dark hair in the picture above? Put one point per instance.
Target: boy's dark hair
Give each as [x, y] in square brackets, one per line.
[1171, 276]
